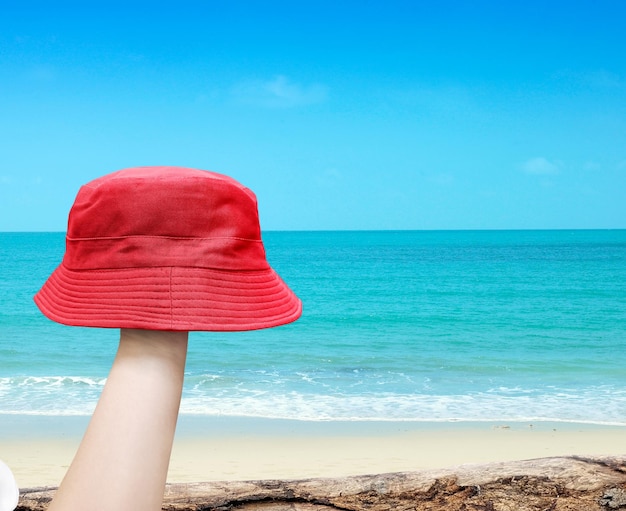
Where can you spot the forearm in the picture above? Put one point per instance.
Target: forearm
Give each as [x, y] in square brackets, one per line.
[123, 458]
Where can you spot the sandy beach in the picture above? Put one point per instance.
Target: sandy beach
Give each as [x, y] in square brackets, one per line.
[39, 449]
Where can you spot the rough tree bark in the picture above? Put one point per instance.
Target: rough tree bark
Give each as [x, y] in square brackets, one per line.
[547, 484]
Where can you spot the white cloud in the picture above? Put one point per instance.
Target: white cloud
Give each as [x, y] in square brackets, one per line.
[596, 79]
[328, 178]
[540, 166]
[441, 99]
[42, 73]
[22, 181]
[592, 166]
[280, 92]
[441, 179]
[604, 78]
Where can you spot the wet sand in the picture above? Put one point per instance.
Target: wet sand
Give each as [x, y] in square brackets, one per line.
[39, 449]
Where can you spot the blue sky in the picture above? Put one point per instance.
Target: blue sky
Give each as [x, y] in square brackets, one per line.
[339, 115]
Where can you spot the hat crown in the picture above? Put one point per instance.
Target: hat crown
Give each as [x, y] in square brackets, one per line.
[164, 201]
[164, 216]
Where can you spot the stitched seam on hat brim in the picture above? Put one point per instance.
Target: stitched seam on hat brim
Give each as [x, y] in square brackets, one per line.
[266, 307]
[120, 297]
[281, 309]
[196, 292]
[223, 287]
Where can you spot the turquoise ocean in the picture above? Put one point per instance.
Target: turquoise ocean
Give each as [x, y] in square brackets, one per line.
[397, 325]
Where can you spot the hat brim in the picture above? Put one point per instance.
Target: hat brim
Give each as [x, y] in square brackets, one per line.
[168, 298]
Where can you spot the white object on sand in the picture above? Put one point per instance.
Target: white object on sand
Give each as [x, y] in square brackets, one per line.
[9, 491]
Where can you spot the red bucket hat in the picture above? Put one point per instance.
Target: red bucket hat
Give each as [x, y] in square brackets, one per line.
[166, 248]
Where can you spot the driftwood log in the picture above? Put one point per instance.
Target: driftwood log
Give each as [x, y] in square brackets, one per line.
[547, 484]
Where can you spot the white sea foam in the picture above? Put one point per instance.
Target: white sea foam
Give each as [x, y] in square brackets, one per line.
[596, 406]
[78, 395]
[49, 395]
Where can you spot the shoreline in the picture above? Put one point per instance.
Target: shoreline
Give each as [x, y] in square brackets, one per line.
[39, 449]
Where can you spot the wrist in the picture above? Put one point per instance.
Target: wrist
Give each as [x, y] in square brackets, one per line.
[154, 343]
